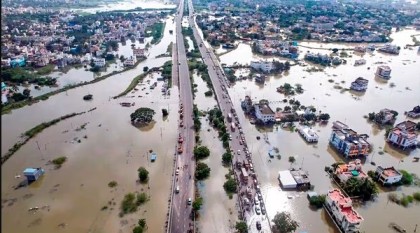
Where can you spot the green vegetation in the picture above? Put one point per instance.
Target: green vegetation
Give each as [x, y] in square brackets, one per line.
[19, 75]
[165, 112]
[33, 132]
[141, 198]
[317, 201]
[112, 184]
[227, 158]
[202, 171]
[416, 196]
[407, 178]
[131, 202]
[169, 49]
[196, 118]
[292, 159]
[201, 152]
[365, 188]
[142, 116]
[198, 202]
[141, 226]
[156, 31]
[404, 200]
[58, 162]
[208, 93]
[45, 70]
[230, 185]
[283, 223]
[241, 227]
[143, 174]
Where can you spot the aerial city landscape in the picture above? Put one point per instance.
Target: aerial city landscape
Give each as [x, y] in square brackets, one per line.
[130, 116]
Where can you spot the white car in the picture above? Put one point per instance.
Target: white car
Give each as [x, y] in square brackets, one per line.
[177, 172]
[257, 210]
[256, 201]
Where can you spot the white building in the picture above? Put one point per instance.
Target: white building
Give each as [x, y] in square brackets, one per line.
[131, 61]
[264, 113]
[99, 62]
[265, 66]
[341, 210]
[384, 72]
[403, 135]
[286, 179]
[388, 175]
[308, 134]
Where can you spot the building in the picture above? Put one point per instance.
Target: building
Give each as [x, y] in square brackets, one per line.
[138, 52]
[259, 78]
[308, 134]
[349, 143]
[403, 135]
[353, 169]
[33, 174]
[265, 66]
[384, 72]
[387, 176]
[360, 84]
[286, 180]
[359, 62]
[389, 48]
[360, 49]
[340, 208]
[415, 113]
[246, 104]
[301, 177]
[131, 61]
[99, 62]
[385, 116]
[264, 113]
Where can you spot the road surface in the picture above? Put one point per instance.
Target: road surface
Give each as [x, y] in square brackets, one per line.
[238, 144]
[180, 220]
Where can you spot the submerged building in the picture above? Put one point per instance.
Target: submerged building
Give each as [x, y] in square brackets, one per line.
[349, 143]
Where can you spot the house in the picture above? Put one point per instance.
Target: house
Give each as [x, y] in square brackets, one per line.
[138, 52]
[246, 104]
[353, 169]
[131, 61]
[389, 48]
[387, 176]
[360, 49]
[349, 143]
[359, 62]
[264, 113]
[340, 209]
[301, 177]
[99, 62]
[33, 174]
[415, 113]
[384, 72]
[385, 116]
[286, 180]
[360, 84]
[403, 135]
[308, 134]
[265, 66]
[259, 78]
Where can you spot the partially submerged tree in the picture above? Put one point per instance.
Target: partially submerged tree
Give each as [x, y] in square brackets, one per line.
[142, 116]
[283, 223]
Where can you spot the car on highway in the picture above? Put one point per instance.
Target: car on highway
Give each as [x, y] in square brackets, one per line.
[262, 210]
[177, 172]
[239, 151]
[258, 225]
[177, 189]
[189, 201]
[257, 210]
[256, 201]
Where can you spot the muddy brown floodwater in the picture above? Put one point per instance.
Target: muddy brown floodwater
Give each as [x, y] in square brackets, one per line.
[347, 107]
[70, 198]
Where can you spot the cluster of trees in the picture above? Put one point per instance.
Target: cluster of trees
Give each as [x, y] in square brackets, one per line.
[364, 188]
[131, 202]
[143, 174]
[283, 223]
[281, 66]
[167, 70]
[196, 118]
[216, 118]
[141, 226]
[142, 116]
[202, 170]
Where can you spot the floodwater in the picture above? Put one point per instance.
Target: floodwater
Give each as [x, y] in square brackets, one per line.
[218, 213]
[345, 106]
[112, 150]
[128, 5]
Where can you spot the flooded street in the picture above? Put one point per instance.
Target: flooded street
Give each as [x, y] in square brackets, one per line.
[218, 213]
[344, 106]
[110, 148]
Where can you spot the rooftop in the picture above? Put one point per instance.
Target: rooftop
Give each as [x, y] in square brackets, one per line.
[345, 205]
[389, 171]
[265, 109]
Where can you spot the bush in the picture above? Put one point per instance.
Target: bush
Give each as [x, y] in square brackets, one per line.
[284, 223]
[226, 158]
[208, 93]
[112, 184]
[128, 204]
[198, 202]
[141, 199]
[317, 201]
[165, 112]
[201, 152]
[241, 227]
[407, 178]
[230, 186]
[202, 171]
[416, 196]
[143, 174]
[59, 161]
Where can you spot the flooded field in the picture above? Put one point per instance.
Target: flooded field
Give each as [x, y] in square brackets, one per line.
[110, 148]
[218, 213]
[402, 95]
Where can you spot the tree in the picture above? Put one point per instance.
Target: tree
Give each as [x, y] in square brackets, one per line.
[241, 227]
[201, 152]
[138, 229]
[202, 171]
[145, 69]
[227, 158]
[283, 223]
[230, 185]
[317, 201]
[198, 202]
[165, 112]
[335, 50]
[292, 159]
[142, 223]
[142, 116]
[324, 116]
[26, 92]
[143, 174]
